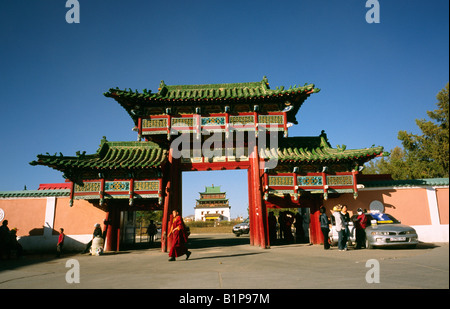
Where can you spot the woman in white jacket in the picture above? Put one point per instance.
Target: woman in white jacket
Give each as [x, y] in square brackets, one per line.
[340, 227]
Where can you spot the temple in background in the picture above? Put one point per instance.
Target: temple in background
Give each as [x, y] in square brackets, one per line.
[212, 205]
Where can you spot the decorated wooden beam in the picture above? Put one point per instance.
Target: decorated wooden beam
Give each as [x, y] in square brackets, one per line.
[280, 184]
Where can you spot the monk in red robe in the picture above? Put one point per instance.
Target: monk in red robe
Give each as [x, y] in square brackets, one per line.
[179, 237]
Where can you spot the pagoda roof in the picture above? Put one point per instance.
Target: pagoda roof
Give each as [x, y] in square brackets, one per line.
[110, 155]
[316, 149]
[212, 190]
[209, 94]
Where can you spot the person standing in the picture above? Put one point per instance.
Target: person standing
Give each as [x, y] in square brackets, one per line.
[60, 244]
[281, 223]
[325, 227]
[15, 245]
[299, 235]
[360, 226]
[151, 231]
[179, 238]
[340, 227]
[272, 227]
[346, 220]
[97, 233]
[5, 240]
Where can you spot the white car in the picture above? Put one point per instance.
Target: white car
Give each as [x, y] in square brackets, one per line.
[242, 228]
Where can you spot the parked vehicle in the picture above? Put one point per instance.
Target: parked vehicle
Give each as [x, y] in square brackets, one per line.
[242, 228]
[383, 230]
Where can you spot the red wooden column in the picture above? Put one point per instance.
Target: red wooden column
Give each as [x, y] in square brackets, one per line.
[259, 205]
[107, 232]
[355, 184]
[165, 219]
[254, 235]
[315, 232]
[172, 199]
[113, 229]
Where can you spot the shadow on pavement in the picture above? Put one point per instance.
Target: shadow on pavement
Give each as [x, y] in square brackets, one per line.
[223, 256]
[199, 242]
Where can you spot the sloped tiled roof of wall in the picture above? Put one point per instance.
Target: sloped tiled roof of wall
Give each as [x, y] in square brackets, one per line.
[429, 182]
[110, 155]
[34, 193]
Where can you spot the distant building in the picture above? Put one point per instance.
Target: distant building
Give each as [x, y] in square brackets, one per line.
[189, 218]
[212, 205]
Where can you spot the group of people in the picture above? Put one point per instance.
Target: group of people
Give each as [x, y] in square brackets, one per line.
[285, 221]
[8, 242]
[342, 219]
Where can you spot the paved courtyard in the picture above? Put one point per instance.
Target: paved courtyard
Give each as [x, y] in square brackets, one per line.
[222, 261]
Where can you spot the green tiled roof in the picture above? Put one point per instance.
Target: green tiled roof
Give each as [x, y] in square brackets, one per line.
[34, 193]
[212, 189]
[318, 149]
[110, 155]
[428, 182]
[255, 92]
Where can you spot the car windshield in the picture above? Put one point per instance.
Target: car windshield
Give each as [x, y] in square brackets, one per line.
[382, 218]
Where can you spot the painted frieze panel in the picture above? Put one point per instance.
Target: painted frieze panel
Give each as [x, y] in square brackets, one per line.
[88, 187]
[154, 123]
[242, 120]
[281, 181]
[146, 185]
[271, 119]
[117, 186]
[343, 180]
[184, 122]
[213, 121]
[309, 181]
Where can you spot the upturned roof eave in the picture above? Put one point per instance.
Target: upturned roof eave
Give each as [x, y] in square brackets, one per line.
[106, 160]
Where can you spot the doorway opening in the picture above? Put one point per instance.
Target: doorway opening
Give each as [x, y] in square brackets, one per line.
[213, 202]
[140, 229]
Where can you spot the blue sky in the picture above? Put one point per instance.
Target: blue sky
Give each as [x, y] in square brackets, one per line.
[375, 79]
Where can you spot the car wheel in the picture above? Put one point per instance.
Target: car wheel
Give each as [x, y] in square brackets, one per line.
[368, 245]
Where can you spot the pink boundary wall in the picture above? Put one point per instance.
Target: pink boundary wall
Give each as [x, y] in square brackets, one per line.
[38, 221]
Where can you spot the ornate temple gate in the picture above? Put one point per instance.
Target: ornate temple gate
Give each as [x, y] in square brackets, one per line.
[212, 127]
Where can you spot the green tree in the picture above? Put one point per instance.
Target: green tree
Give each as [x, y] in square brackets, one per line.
[422, 156]
[395, 164]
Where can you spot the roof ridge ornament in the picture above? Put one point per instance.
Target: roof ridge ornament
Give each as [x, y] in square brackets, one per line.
[265, 81]
[161, 85]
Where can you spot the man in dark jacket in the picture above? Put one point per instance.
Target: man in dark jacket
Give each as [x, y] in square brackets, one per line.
[360, 226]
[325, 227]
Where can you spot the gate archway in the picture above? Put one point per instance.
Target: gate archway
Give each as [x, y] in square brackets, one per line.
[213, 127]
